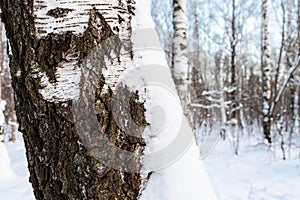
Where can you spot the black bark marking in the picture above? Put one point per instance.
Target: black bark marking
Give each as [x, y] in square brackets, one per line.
[59, 12]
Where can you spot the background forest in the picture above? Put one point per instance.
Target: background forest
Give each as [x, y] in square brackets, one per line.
[227, 78]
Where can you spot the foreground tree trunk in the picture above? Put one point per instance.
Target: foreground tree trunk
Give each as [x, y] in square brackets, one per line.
[49, 46]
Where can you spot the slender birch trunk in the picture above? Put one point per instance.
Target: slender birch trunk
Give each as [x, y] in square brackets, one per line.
[2, 119]
[180, 59]
[233, 44]
[266, 73]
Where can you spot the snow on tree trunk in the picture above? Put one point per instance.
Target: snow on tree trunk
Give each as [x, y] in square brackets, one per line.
[180, 59]
[266, 73]
[184, 177]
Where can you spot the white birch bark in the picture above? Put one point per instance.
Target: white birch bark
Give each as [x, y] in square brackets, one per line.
[222, 104]
[266, 71]
[180, 59]
[295, 113]
[61, 16]
[220, 84]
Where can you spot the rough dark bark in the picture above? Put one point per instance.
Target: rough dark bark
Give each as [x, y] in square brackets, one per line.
[60, 165]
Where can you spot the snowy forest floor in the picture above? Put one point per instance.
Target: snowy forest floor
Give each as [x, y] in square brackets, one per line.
[256, 173]
[14, 175]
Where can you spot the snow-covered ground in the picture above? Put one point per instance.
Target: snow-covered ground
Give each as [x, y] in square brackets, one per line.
[14, 175]
[256, 173]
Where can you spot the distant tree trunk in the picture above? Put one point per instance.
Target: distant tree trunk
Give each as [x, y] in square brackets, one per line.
[295, 88]
[298, 39]
[180, 59]
[14, 126]
[49, 44]
[266, 73]
[7, 92]
[198, 85]
[2, 50]
[233, 44]
[222, 98]
[220, 61]
[290, 54]
[298, 24]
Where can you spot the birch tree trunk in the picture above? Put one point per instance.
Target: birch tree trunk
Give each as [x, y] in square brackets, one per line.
[180, 59]
[290, 54]
[298, 23]
[2, 47]
[298, 39]
[295, 93]
[7, 93]
[50, 41]
[233, 44]
[266, 73]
